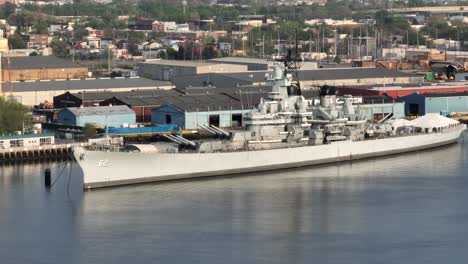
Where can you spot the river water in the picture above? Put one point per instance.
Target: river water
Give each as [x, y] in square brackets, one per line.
[411, 208]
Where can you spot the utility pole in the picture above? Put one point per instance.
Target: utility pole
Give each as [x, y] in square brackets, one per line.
[335, 34]
[263, 46]
[108, 61]
[417, 37]
[1, 76]
[407, 37]
[359, 43]
[317, 45]
[279, 45]
[367, 42]
[310, 43]
[323, 39]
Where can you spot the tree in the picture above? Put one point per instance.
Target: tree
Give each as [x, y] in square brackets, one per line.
[171, 53]
[209, 52]
[12, 115]
[59, 47]
[15, 41]
[40, 27]
[89, 131]
[337, 60]
[133, 39]
[7, 9]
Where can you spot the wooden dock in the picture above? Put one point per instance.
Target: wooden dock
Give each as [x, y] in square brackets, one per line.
[45, 152]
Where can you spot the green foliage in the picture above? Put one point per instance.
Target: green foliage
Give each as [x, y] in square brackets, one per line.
[37, 20]
[79, 33]
[89, 131]
[40, 27]
[337, 60]
[209, 52]
[416, 3]
[15, 41]
[59, 47]
[133, 39]
[12, 115]
[438, 28]
[7, 9]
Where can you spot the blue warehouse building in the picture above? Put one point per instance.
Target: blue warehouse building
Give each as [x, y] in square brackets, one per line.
[100, 116]
[380, 106]
[190, 112]
[444, 103]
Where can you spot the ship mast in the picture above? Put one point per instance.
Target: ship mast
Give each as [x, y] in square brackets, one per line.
[291, 61]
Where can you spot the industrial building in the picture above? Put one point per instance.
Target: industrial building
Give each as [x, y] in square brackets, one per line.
[220, 80]
[28, 140]
[68, 99]
[444, 103]
[256, 64]
[357, 76]
[36, 92]
[40, 68]
[166, 70]
[190, 112]
[142, 102]
[400, 90]
[379, 107]
[345, 77]
[100, 116]
[226, 109]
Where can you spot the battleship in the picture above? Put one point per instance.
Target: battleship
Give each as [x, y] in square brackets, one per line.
[284, 131]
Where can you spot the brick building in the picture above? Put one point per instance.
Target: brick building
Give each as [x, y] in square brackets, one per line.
[40, 68]
[38, 39]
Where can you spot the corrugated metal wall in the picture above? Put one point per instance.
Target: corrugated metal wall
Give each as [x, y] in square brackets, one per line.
[68, 118]
[373, 110]
[449, 104]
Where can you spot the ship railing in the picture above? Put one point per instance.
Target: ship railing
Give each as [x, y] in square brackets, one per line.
[417, 133]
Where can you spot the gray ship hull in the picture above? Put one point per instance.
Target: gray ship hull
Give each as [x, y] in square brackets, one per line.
[105, 169]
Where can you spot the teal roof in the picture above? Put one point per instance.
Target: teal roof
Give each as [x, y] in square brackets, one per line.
[26, 136]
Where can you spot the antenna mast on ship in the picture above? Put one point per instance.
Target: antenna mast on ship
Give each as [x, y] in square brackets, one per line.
[291, 61]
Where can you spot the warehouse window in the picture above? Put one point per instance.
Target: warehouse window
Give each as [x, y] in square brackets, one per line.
[236, 120]
[168, 119]
[377, 117]
[413, 109]
[214, 120]
[16, 143]
[45, 141]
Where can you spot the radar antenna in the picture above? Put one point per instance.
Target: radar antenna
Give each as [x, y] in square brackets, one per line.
[292, 63]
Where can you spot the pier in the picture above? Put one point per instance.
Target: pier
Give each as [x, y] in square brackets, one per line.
[32, 153]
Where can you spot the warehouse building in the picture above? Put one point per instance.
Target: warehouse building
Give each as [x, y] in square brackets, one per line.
[68, 99]
[380, 107]
[357, 76]
[142, 103]
[444, 103]
[27, 140]
[226, 108]
[257, 64]
[344, 77]
[190, 112]
[40, 68]
[220, 80]
[100, 116]
[166, 70]
[36, 92]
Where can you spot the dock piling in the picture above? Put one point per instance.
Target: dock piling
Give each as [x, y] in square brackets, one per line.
[47, 178]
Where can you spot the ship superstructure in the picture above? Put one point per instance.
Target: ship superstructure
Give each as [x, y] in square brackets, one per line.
[285, 130]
